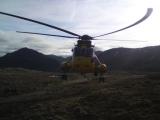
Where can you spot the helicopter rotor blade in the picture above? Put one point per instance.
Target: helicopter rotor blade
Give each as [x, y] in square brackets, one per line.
[122, 40]
[148, 13]
[47, 34]
[41, 23]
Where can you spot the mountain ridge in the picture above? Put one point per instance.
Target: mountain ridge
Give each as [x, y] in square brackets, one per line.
[117, 59]
[29, 59]
[132, 59]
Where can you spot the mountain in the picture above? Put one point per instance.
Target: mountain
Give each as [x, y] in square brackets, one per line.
[138, 59]
[30, 59]
[58, 58]
[123, 59]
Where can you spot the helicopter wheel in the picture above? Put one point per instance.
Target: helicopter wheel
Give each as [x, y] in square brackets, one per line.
[64, 76]
[95, 74]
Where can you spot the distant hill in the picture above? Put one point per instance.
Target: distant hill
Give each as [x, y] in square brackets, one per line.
[139, 59]
[30, 59]
[59, 58]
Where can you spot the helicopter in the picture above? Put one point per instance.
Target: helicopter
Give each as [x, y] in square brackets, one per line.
[84, 59]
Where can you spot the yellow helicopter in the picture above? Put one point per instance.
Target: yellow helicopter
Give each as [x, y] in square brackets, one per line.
[84, 59]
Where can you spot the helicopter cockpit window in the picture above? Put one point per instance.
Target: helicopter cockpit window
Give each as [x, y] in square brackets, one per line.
[86, 52]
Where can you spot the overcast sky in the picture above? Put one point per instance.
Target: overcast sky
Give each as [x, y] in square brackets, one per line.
[93, 17]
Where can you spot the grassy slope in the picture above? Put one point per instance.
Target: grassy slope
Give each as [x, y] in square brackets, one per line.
[32, 95]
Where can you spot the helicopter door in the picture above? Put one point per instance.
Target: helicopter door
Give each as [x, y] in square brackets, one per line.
[84, 52]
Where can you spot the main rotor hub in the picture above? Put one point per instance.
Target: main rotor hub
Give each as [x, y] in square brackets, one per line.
[86, 37]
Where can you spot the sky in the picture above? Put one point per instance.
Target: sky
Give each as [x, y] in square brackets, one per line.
[92, 17]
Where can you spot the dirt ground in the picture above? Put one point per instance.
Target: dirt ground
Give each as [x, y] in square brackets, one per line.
[35, 95]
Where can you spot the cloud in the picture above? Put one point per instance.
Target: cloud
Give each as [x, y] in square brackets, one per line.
[11, 41]
[80, 16]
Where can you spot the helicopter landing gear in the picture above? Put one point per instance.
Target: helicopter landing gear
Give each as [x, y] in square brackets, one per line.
[95, 74]
[64, 77]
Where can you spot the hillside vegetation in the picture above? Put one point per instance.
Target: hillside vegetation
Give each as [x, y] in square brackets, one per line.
[35, 95]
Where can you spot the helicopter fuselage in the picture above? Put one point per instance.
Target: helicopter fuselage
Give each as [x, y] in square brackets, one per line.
[84, 59]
